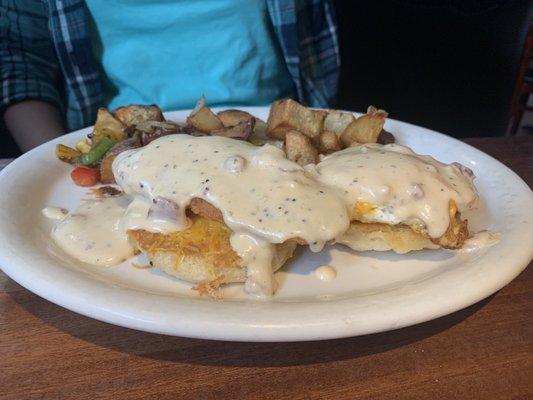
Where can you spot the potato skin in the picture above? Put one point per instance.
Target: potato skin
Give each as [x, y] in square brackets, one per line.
[241, 131]
[286, 115]
[364, 129]
[107, 125]
[299, 148]
[337, 121]
[204, 120]
[205, 209]
[385, 137]
[135, 113]
[232, 117]
[329, 142]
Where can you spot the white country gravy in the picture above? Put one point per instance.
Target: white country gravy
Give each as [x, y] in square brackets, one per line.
[325, 273]
[481, 240]
[266, 195]
[93, 232]
[263, 197]
[404, 187]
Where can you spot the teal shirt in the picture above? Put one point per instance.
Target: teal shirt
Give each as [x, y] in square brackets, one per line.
[170, 52]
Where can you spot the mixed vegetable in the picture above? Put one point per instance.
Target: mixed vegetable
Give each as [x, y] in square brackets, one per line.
[125, 128]
[303, 133]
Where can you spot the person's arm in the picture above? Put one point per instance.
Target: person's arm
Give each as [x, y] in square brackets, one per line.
[30, 99]
[33, 122]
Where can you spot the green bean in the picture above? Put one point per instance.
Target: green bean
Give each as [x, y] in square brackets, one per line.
[98, 151]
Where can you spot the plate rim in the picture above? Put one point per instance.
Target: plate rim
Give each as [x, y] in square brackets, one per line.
[323, 328]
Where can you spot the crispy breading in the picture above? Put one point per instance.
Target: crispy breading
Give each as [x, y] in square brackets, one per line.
[453, 238]
[200, 253]
[457, 231]
[207, 210]
[381, 237]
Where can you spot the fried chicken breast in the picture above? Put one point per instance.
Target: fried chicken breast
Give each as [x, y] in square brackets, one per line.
[200, 253]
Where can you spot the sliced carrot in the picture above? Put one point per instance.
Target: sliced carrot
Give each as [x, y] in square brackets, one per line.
[83, 176]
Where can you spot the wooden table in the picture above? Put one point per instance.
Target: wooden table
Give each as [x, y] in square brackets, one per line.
[482, 352]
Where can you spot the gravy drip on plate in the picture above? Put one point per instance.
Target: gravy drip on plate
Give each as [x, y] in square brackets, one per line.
[400, 186]
[481, 240]
[264, 198]
[93, 234]
[325, 273]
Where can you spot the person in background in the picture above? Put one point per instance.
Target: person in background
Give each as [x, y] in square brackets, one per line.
[61, 60]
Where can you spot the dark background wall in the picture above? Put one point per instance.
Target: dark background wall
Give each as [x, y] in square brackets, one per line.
[446, 65]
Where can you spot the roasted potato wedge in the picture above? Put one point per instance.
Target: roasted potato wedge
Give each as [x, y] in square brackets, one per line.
[286, 115]
[134, 114]
[260, 129]
[231, 118]
[151, 130]
[364, 129]
[386, 137]
[106, 172]
[299, 148]
[205, 209]
[337, 121]
[259, 135]
[240, 131]
[203, 119]
[328, 142]
[107, 125]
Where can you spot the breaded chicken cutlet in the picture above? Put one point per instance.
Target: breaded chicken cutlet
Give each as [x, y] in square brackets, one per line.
[202, 253]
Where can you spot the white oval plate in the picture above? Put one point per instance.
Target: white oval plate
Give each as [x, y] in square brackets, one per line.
[373, 292]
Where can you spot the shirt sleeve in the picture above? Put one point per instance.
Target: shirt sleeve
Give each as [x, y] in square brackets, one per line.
[28, 64]
[307, 32]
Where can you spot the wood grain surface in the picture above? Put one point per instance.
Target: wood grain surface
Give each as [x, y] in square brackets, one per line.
[482, 352]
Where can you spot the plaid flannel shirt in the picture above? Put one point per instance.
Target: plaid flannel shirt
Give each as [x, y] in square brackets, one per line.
[45, 54]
